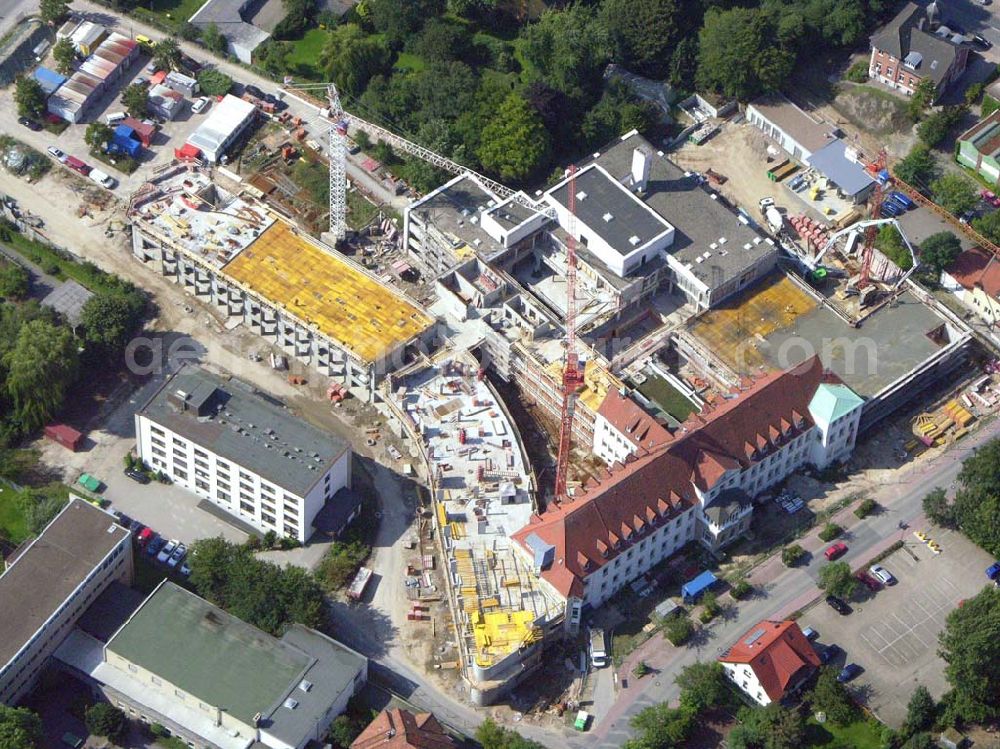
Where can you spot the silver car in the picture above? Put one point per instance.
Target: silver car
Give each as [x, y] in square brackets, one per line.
[881, 574]
[179, 553]
[166, 551]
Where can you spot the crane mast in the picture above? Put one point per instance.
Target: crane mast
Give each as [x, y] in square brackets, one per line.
[877, 167]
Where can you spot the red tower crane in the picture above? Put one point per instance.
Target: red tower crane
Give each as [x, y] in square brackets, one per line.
[572, 376]
[877, 168]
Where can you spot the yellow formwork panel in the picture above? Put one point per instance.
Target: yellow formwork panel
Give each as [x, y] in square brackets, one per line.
[498, 633]
[597, 381]
[363, 316]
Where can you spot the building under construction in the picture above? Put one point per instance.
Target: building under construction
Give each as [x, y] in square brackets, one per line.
[232, 252]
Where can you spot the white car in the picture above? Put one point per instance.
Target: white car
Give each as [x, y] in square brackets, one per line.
[166, 551]
[881, 574]
[177, 556]
[57, 154]
[200, 104]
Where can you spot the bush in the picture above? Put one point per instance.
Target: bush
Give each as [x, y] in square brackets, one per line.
[678, 629]
[741, 590]
[641, 669]
[974, 92]
[790, 555]
[214, 82]
[706, 616]
[858, 72]
[104, 719]
[935, 128]
[340, 563]
[830, 531]
[865, 509]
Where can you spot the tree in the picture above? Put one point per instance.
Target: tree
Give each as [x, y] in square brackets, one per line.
[935, 128]
[567, 49]
[344, 730]
[212, 38]
[29, 97]
[104, 719]
[920, 710]
[988, 225]
[678, 629]
[772, 727]
[830, 696]
[918, 168]
[64, 53]
[977, 500]
[955, 193]
[939, 250]
[351, 58]
[443, 41]
[298, 18]
[167, 54]
[15, 281]
[618, 111]
[135, 98]
[53, 11]
[739, 54]
[923, 96]
[970, 646]
[109, 318]
[837, 580]
[938, 509]
[213, 82]
[920, 741]
[493, 736]
[97, 135]
[400, 21]
[40, 508]
[20, 728]
[790, 555]
[40, 368]
[644, 33]
[889, 241]
[702, 685]
[515, 144]
[661, 726]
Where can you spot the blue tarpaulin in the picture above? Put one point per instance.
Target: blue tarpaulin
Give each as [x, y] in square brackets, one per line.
[127, 146]
[50, 80]
[692, 589]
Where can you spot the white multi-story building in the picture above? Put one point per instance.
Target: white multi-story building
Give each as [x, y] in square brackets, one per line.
[229, 444]
[48, 587]
[697, 484]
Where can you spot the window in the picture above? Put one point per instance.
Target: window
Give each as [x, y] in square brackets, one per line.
[247, 508]
[181, 474]
[268, 519]
[156, 680]
[132, 668]
[157, 431]
[291, 530]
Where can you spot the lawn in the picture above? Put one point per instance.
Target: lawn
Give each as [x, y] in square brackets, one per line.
[409, 61]
[861, 734]
[304, 57]
[667, 397]
[170, 12]
[13, 524]
[360, 210]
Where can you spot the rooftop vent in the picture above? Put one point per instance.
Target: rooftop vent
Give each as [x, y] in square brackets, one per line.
[581, 195]
[305, 685]
[291, 703]
[633, 240]
[607, 217]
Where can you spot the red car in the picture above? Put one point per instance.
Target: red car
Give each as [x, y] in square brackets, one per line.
[78, 166]
[869, 582]
[835, 551]
[144, 536]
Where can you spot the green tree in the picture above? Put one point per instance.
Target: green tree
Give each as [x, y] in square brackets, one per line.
[400, 21]
[272, 56]
[109, 318]
[889, 241]
[493, 736]
[40, 368]
[97, 135]
[644, 33]
[20, 728]
[918, 168]
[618, 111]
[53, 11]
[213, 82]
[702, 685]
[344, 730]
[15, 281]
[970, 646]
[935, 128]
[739, 54]
[104, 719]
[212, 38]
[678, 629]
[772, 727]
[29, 96]
[923, 96]
[837, 580]
[988, 225]
[938, 509]
[832, 698]
[939, 250]
[351, 58]
[567, 50]
[920, 741]
[167, 54]
[661, 727]
[40, 508]
[299, 17]
[64, 53]
[135, 98]
[515, 145]
[920, 710]
[955, 193]
[977, 500]
[443, 41]
[790, 555]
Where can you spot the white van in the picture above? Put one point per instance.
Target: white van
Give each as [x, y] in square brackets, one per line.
[104, 180]
[598, 652]
[113, 118]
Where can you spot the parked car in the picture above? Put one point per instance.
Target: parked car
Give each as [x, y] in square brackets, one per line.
[200, 104]
[827, 654]
[254, 91]
[136, 475]
[848, 672]
[72, 740]
[868, 581]
[179, 553]
[154, 544]
[151, 68]
[78, 166]
[981, 41]
[835, 551]
[166, 551]
[104, 179]
[29, 123]
[990, 197]
[810, 633]
[57, 154]
[143, 39]
[881, 574]
[902, 198]
[993, 571]
[838, 605]
[185, 569]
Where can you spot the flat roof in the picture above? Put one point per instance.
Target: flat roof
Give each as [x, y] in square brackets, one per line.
[68, 299]
[210, 654]
[226, 116]
[810, 132]
[454, 209]
[833, 162]
[610, 210]
[326, 291]
[242, 426]
[50, 569]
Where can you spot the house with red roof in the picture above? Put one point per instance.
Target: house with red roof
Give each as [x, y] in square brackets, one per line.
[623, 428]
[771, 661]
[698, 484]
[400, 729]
[974, 277]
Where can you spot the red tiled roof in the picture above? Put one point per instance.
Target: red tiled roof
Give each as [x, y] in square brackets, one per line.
[627, 416]
[777, 652]
[977, 267]
[597, 523]
[401, 729]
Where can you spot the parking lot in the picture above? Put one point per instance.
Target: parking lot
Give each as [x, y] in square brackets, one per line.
[893, 634]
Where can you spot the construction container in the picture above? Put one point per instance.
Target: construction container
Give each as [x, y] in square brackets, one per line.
[65, 436]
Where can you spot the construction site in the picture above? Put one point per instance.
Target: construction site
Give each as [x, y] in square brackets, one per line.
[318, 306]
[483, 490]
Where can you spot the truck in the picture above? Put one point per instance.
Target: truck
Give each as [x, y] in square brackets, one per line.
[104, 180]
[358, 584]
[598, 650]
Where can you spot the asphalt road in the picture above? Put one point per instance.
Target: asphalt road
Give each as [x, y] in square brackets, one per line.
[11, 11]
